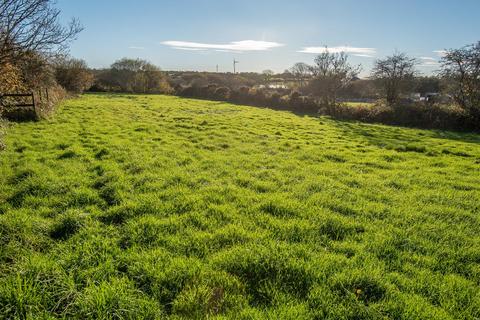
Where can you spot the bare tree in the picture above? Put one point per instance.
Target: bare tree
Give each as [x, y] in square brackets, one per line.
[267, 75]
[301, 72]
[331, 73]
[461, 70]
[394, 74]
[32, 26]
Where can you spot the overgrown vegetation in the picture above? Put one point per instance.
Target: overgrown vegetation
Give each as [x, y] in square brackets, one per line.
[136, 206]
[31, 39]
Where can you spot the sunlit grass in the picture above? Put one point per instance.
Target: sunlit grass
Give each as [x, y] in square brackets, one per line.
[359, 104]
[154, 207]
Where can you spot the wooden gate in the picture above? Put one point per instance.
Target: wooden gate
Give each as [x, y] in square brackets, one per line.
[22, 104]
[18, 106]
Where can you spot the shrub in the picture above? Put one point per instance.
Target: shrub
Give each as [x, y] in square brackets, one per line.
[275, 99]
[133, 76]
[73, 75]
[10, 78]
[45, 107]
[188, 91]
[222, 93]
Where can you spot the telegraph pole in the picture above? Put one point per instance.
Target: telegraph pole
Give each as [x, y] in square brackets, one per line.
[235, 65]
[217, 68]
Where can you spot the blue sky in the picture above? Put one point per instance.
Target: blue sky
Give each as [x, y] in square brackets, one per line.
[198, 35]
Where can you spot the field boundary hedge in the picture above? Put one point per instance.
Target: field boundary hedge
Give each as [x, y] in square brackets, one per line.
[409, 114]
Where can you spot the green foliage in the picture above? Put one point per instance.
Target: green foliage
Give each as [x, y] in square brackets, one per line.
[133, 76]
[157, 207]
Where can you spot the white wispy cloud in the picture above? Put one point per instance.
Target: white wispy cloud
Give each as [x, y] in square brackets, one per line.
[429, 62]
[440, 53]
[189, 49]
[237, 46]
[359, 52]
[363, 55]
[136, 48]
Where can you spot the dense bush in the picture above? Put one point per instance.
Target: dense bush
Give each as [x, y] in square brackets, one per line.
[10, 78]
[73, 75]
[421, 115]
[222, 93]
[132, 76]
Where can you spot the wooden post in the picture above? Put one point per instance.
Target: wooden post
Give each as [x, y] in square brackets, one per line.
[46, 92]
[33, 102]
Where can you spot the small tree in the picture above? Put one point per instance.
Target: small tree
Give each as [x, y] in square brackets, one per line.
[331, 73]
[461, 70]
[394, 75]
[267, 75]
[73, 75]
[301, 72]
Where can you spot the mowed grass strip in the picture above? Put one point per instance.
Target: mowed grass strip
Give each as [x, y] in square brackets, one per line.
[153, 207]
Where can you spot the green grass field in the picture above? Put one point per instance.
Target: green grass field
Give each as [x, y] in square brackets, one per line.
[146, 207]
